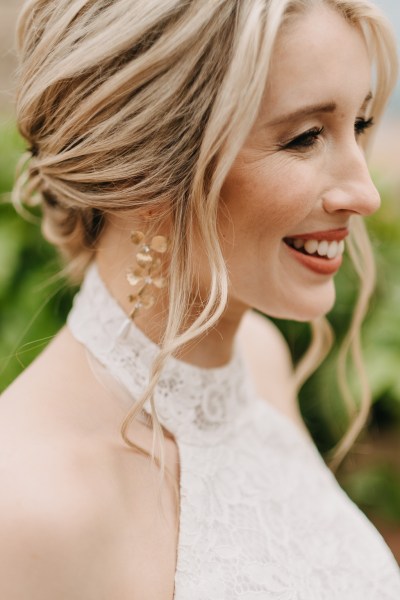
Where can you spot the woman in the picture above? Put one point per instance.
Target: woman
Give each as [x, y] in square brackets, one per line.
[194, 159]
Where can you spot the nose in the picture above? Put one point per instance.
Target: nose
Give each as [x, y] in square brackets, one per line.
[353, 190]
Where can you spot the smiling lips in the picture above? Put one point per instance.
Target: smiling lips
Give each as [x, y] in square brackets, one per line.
[319, 251]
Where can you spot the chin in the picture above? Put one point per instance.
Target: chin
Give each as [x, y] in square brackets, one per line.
[312, 311]
[307, 307]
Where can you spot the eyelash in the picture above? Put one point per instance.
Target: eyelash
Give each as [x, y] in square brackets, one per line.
[310, 137]
[361, 125]
[305, 140]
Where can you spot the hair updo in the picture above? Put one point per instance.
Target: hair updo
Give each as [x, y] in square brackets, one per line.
[129, 105]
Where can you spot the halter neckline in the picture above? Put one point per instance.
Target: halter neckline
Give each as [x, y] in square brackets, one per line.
[193, 403]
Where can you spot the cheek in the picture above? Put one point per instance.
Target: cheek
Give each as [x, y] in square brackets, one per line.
[269, 199]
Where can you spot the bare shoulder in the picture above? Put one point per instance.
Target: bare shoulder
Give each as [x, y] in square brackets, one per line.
[258, 334]
[45, 510]
[268, 359]
[75, 503]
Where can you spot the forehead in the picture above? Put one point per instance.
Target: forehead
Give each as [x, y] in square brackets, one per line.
[318, 56]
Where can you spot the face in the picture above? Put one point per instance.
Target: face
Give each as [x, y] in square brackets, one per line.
[288, 201]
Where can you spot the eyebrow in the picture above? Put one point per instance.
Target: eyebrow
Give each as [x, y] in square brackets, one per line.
[328, 107]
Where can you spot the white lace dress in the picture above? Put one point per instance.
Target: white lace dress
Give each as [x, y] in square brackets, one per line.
[261, 516]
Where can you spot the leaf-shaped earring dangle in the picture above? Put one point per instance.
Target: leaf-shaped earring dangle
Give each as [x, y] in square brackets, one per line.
[145, 277]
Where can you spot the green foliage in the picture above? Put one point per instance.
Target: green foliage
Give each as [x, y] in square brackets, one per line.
[369, 485]
[382, 329]
[11, 147]
[33, 304]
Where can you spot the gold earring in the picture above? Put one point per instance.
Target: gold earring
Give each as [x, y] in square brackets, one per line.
[147, 274]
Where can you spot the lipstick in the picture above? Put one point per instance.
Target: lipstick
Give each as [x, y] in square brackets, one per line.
[319, 251]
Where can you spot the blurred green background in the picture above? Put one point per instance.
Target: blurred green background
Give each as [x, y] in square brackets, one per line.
[33, 306]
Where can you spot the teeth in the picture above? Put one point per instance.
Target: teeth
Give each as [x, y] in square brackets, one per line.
[322, 248]
[311, 246]
[332, 250]
[298, 243]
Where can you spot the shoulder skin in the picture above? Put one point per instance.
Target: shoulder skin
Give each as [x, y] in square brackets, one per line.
[80, 514]
[268, 360]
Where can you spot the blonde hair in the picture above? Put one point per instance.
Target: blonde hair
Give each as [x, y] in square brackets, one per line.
[129, 105]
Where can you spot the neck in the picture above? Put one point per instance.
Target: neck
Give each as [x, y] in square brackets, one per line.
[213, 349]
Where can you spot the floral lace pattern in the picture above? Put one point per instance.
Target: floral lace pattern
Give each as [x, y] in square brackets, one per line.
[261, 516]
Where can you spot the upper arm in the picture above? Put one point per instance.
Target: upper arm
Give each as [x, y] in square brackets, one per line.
[268, 359]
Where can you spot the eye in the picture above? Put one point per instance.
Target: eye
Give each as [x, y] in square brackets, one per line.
[305, 140]
[361, 125]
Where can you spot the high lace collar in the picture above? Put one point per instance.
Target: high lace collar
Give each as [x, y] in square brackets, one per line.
[196, 405]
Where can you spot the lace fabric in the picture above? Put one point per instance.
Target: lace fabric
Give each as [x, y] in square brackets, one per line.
[261, 516]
